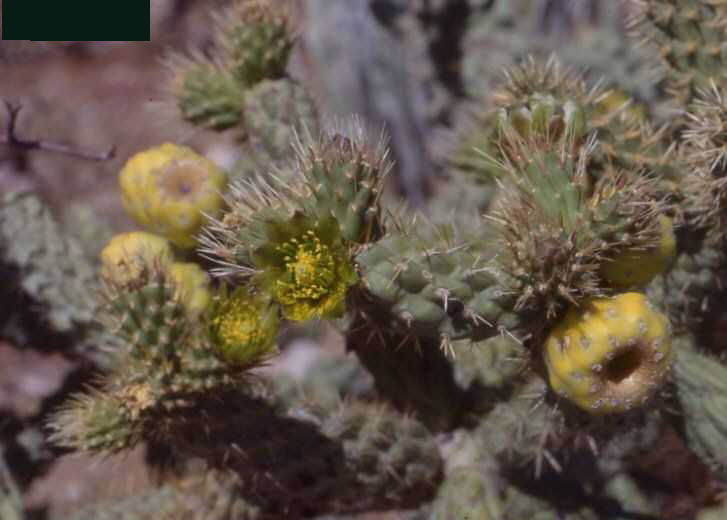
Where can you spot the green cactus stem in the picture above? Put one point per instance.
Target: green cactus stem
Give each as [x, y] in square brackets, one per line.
[701, 384]
[51, 267]
[688, 36]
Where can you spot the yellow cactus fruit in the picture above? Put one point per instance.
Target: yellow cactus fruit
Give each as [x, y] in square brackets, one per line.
[637, 268]
[127, 255]
[243, 327]
[193, 286]
[610, 354]
[169, 188]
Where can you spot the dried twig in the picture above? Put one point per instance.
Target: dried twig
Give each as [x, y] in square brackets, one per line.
[11, 139]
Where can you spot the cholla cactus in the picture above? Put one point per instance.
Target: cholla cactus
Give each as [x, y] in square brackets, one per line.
[51, 266]
[529, 334]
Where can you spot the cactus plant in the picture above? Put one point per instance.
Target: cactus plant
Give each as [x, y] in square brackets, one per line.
[507, 365]
[51, 266]
[699, 382]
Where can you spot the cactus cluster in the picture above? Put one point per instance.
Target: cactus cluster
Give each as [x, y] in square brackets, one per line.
[508, 363]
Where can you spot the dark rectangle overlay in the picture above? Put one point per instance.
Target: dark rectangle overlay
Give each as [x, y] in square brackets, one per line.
[75, 20]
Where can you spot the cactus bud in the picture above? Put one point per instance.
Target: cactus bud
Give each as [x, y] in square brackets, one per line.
[243, 327]
[192, 286]
[128, 255]
[637, 267]
[167, 189]
[256, 40]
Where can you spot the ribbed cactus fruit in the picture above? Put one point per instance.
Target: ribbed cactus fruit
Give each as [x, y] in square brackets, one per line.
[689, 37]
[255, 40]
[609, 355]
[543, 101]
[243, 327]
[701, 384]
[205, 93]
[634, 268]
[50, 265]
[128, 255]
[537, 100]
[437, 289]
[344, 173]
[169, 188]
[577, 228]
[193, 286]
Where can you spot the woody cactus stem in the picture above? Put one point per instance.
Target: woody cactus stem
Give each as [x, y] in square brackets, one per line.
[410, 372]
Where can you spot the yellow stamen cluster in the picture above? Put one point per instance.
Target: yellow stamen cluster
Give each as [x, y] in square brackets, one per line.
[310, 268]
[610, 354]
[244, 328]
[314, 282]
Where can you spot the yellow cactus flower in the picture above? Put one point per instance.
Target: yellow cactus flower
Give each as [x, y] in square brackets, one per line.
[243, 327]
[167, 189]
[127, 255]
[193, 286]
[637, 268]
[306, 268]
[610, 354]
